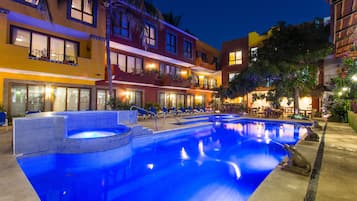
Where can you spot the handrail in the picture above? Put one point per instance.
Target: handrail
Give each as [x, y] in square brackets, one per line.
[152, 113]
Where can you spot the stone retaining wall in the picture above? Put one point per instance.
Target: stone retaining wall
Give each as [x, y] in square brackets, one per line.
[352, 120]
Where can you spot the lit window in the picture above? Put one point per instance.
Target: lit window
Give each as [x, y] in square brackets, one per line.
[254, 53]
[212, 83]
[39, 45]
[103, 97]
[57, 50]
[126, 63]
[150, 34]
[231, 76]
[121, 27]
[187, 49]
[71, 53]
[131, 64]
[113, 58]
[205, 82]
[82, 10]
[162, 69]
[34, 2]
[122, 62]
[21, 37]
[60, 50]
[235, 57]
[134, 98]
[72, 99]
[170, 42]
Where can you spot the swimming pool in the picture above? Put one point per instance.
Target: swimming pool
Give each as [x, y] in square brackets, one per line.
[206, 118]
[97, 132]
[225, 161]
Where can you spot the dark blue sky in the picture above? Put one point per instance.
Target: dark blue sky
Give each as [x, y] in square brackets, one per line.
[216, 21]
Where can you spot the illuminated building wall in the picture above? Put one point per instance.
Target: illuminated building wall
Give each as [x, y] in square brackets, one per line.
[344, 27]
[50, 66]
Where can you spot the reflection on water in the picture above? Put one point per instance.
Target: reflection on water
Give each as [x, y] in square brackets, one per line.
[223, 162]
[283, 132]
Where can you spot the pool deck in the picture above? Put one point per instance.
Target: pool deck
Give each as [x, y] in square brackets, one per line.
[336, 180]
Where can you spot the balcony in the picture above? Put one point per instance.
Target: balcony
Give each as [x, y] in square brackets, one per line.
[166, 80]
[143, 77]
[150, 77]
[18, 58]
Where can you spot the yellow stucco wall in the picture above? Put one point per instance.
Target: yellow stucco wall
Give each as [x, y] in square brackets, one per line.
[47, 79]
[59, 15]
[90, 60]
[1, 90]
[15, 63]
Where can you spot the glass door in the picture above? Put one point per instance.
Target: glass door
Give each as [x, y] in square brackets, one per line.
[36, 98]
[18, 100]
[59, 101]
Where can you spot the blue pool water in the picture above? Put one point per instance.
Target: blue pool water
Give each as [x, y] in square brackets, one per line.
[97, 133]
[226, 161]
[207, 118]
[223, 116]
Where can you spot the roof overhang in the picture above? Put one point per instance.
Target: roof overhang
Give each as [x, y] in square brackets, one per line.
[202, 69]
[149, 54]
[46, 25]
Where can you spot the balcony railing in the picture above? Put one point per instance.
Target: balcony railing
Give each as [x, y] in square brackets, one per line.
[200, 62]
[153, 77]
[53, 57]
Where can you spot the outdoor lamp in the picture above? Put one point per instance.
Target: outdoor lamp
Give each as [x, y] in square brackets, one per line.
[345, 88]
[354, 78]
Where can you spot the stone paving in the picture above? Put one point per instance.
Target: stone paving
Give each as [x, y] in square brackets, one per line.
[337, 179]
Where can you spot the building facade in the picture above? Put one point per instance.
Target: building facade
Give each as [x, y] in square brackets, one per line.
[50, 62]
[344, 27]
[163, 66]
[57, 62]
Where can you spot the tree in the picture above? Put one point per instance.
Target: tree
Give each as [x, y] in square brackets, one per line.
[172, 19]
[140, 7]
[287, 62]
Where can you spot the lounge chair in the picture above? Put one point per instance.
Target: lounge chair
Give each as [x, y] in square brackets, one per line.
[2, 118]
[153, 110]
[190, 109]
[142, 114]
[182, 111]
[164, 112]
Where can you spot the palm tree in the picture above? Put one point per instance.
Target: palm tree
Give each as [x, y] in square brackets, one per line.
[112, 7]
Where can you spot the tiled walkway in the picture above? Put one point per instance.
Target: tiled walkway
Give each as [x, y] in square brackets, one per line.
[337, 181]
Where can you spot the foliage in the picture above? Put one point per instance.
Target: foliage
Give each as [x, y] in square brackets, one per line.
[2, 108]
[117, 104]
[345, 92]
[172, 19]
[338, 109]
[287, 62]
[154, 105]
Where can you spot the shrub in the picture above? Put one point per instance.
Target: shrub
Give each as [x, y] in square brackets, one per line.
[338, 111]
[117, 104]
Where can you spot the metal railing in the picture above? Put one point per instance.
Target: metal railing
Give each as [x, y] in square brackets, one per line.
[147, 111]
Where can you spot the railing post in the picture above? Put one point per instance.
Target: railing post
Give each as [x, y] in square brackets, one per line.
[155, 115]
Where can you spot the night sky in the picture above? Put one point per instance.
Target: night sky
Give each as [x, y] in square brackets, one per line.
[217, 21]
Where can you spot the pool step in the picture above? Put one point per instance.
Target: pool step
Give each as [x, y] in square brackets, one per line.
[139, 130]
